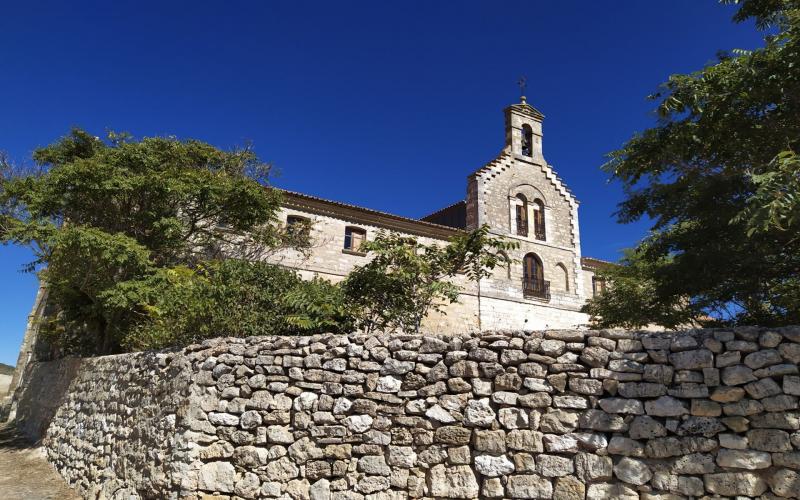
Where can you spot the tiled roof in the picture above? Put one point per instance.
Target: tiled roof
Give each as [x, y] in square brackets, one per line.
[592, 263]
[366, 215]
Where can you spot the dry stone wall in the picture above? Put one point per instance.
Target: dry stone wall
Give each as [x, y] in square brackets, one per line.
[555, 414]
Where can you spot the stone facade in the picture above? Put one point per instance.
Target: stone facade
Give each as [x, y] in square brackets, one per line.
[568, 414]
[493, 197]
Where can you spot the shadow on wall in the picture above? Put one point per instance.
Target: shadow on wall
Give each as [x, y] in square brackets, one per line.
[42, 393]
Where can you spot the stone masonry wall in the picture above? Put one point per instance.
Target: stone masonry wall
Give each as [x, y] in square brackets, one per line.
[555, 414]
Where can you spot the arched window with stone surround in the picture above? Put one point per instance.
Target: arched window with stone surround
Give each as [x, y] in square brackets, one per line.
[539, 230]
[533, 283]
[565, 276]
[527, 140]
[521, 207]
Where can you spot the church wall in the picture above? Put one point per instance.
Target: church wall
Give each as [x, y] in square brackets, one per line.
[515, 176]
[527, 314]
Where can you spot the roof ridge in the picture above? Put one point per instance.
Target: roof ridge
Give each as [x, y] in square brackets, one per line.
[443, 209]
[357, 207]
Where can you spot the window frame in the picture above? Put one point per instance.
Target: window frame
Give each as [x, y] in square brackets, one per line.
[348, 246]
[527, 140]
[539, 226]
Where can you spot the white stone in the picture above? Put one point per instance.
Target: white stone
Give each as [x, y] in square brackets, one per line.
[479, 413]
[358, 423]
[305, 401]
[388, 384]
[492, 466]
[217, 476]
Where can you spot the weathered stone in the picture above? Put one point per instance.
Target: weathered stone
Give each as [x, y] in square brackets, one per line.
[401, 456]
[790, 352]
[785, 483]
[529, 486]
[492, 488]
[616, 491]
[524, 440]
[760, 359]
[701, 426]
[729, 358]
[493, 442]
[772, 440]
[735, 483]
[452, 482]
[621, 405]
[493, 466]
[555, 443]
[439, 414]
[646, 427]
[737, 375]
[453, 435]
[374, 465]
[554, 465]
[694, 463]
[705, 408]
[513, 418]
[595, 357]
[569, 488]
[633, 471]
[692, 360]
[743, 459]
[763, 388]
[744, 407]
[727, 394]
[601, 421]
[281, 470]
[586, 386]
[620, 445]
[641, 390]
[217, 476]
[479, 413]
[665, 406]
[590, 467]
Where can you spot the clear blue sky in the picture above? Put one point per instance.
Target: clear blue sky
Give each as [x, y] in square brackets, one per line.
[387, 105]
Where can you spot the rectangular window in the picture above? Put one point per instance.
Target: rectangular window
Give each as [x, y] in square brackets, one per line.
[522, 220]
[298, 226]
[598, 286]
[353, 238]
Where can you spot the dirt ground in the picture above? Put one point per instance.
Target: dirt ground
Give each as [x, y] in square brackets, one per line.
[25, 473]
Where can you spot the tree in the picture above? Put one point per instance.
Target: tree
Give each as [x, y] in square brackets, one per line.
[718, 176]
[115, 217]
[405, 280]
[633, 302]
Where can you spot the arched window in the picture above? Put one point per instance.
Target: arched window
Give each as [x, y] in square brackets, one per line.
[527, 140]
[522, 215]
[565, 276]
[538, 220]
[533, 283]
[353, 238]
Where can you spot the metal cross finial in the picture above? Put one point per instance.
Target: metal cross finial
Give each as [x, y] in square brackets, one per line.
[523, 82]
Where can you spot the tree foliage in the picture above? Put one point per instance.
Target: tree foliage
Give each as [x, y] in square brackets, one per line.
[132, 234]
[634, 302]
[718, 176]
[160, 242]
[405, 280]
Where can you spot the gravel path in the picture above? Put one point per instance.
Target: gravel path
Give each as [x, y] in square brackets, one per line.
[25, 473]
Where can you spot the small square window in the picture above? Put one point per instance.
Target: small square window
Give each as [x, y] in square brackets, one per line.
[354, 238]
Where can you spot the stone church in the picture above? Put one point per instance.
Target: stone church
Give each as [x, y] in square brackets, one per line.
[520, 197]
